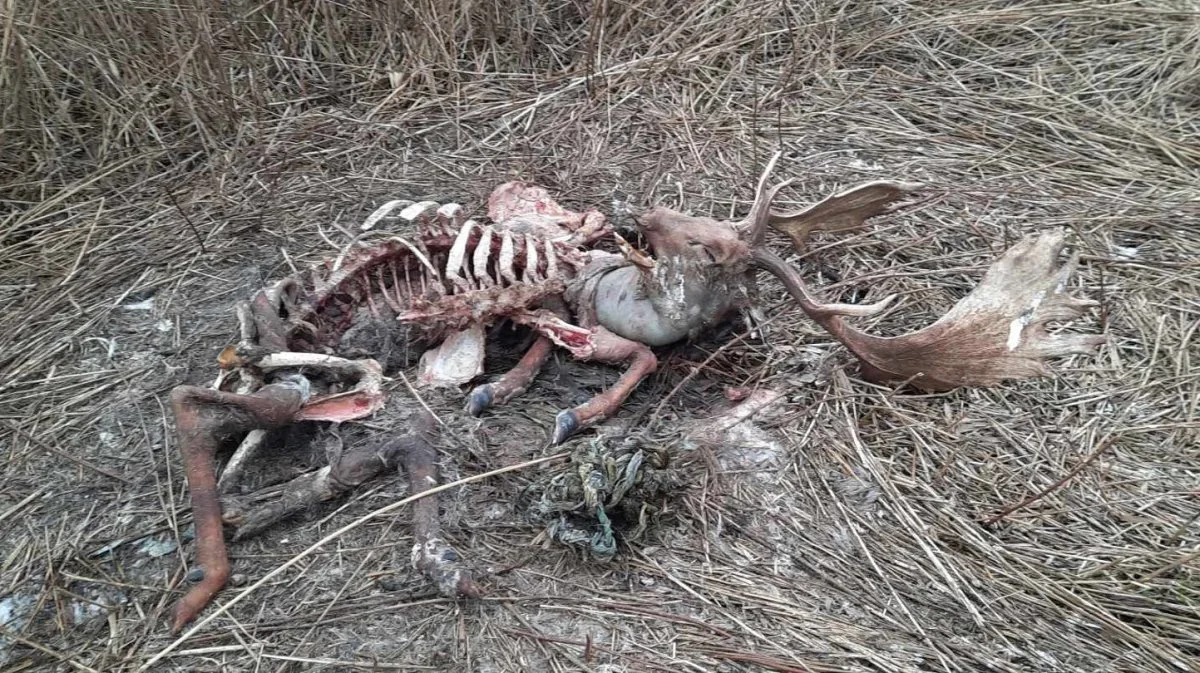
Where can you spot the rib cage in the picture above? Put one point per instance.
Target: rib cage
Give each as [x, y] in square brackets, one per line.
[445, 273]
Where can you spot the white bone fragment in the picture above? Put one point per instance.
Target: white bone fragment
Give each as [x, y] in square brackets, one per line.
[451, 216]
[455, 361]
[529, 274]
[483, 253]
[382, 212]
[551, 260]
[458, 252]
[507, 254]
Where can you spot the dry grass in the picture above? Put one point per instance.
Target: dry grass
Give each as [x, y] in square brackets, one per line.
[187, 152]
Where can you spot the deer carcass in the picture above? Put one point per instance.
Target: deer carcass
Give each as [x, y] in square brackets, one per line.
[533, 264]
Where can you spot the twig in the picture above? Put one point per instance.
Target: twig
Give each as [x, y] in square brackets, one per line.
[66, 456]
[87, 240]
[188, 220]
[24, 501]
[1104, 444]
[699, 368]
[765, 661]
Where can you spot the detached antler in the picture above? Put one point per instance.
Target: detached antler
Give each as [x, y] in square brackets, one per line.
[997, 332]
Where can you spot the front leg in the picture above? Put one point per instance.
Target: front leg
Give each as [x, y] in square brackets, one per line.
[513, 382]
[595, 345]
[551, 329]
[611, 348]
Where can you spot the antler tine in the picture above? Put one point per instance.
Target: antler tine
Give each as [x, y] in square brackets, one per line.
[760, 212]
[825, 315]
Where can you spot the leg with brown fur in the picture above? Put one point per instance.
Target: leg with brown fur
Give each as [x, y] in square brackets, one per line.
[611, 348]
[513, 382]
[204, 419]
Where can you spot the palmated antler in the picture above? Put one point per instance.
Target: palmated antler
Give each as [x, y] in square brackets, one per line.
[845, 210]
[997, 332]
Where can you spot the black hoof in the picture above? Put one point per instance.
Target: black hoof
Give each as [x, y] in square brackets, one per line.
[565, 425]
[479, 399]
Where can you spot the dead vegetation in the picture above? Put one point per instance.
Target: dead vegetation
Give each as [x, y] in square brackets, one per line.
[160, 161]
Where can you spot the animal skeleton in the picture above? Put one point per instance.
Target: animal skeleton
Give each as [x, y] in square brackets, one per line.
[533, 264]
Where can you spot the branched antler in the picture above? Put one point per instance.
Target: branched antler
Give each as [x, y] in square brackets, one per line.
[997, 332]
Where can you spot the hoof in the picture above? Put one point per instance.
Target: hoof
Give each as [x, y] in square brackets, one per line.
[480, 399]
[565, 425]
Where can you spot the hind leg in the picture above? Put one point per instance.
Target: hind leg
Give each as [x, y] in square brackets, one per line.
[203, 419]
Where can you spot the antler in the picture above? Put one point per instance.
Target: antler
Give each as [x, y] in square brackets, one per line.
[846, 210]
[755, 224]
[995, 333]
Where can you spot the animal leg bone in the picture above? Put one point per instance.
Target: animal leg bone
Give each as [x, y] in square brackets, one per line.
[438, 561]
[253, 513]
[364, 399]
[240, 458]
[203, 419]
[513, 382]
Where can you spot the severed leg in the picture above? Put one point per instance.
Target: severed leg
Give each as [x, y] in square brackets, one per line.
[253, 513]
[513, 382]
[204, 419]
[438, 561]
